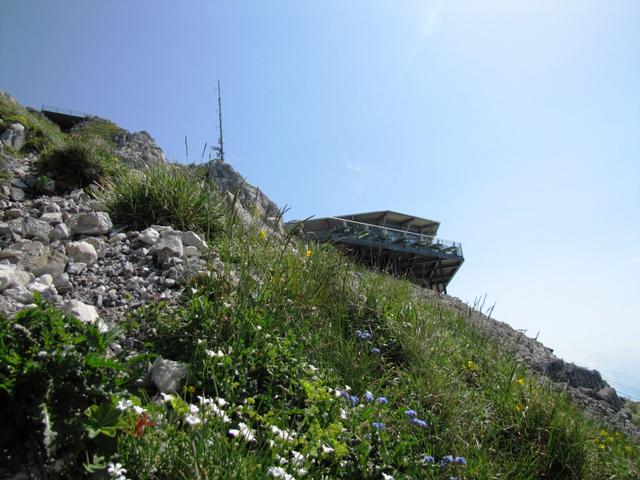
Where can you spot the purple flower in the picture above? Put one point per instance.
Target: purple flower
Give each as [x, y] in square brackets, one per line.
[411, 413]
[378, 425]
[428, 459]
[344, 394]
[460, 460]
[418, 423]
[353, 399]
[368, 396]
[446, 460]
[375, 350]
[382, 400]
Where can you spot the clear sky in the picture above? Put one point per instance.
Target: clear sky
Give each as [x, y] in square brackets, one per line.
[515, 124]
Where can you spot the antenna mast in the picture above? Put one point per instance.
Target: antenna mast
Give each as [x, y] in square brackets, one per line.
[220, 147]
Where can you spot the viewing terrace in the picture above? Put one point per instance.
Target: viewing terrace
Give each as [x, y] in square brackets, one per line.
[397, 243]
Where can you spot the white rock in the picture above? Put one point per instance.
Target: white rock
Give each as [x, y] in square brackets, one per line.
[93, 223]
[168, 247]
[82, 252]
[37, 287]
[14, 136]
[191, 239]
[46, 279]
[59, 232]
[82, 311]
[166, 375]
[149, 236]
[97, 242]
[19, 294]
[51, 217]
[12, 276]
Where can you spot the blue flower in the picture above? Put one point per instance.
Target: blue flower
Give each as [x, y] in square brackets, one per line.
[446, 460]
[382, 400]
[378, 425]
[353, 399]
[362, 335]
[418, 423]
[368, 396]
[375, 350]
[411, 413]
[428, 459]
[460, 460]
[344, 394]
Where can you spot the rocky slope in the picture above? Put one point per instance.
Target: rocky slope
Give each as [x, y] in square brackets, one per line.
[65, 248]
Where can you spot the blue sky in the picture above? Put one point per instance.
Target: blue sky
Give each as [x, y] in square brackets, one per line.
[515, 124]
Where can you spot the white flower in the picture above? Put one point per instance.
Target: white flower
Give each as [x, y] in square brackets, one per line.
[343, 414]
[116, 471]
[124, 404]
[279, 472]
[386, 477]
[326, 449]
[243, 431]
[298, 458]
[166, 397]
[221, 402]
[283, 434]
[193, 409]
[212, 354]
[204, 400]
[302, 471]
[281, 460]
[138, 410]
[192, 419]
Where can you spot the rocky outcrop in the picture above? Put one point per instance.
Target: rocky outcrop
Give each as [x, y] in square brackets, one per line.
[250, 202]
[139, 150]
[13, 137]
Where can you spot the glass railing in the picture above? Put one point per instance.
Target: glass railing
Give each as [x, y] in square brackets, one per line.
[350, 230]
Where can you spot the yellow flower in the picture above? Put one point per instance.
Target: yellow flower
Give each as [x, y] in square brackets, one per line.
[520, 381]
[263, 234]
[309, 252]
[603, 433]
[519, 407]
[471, 365]
[601, 446]
[191, 389]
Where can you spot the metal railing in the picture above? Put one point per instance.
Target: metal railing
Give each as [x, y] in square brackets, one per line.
[353, 230]
[64, 111]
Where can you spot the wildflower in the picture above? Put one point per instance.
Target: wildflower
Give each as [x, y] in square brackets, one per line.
[520, 381]
[212, 354]
[411, 413]
[116, 471]
[192, 418]
[327, 449]
[601, 446]
[344, 394]
[387, 477]
[368, 396]
[445, 461]
[283, 434]
[418, 423]
[243, 431]
[353, 399]
[309, 252]
[362, 335]
[382, 400]
[460, 461]
[471, 366]
[124, 404]
[343, 414]
[221, 402]
[375, 350]
[298, 458]
[138, 410]
[428, 459]
[262, 234]
[519, 407]
[378, 425]
[279, 472]
[166, 397]
[191, 389]
[302, 472]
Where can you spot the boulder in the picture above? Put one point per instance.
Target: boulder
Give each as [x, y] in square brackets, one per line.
[48, 261]
[82, 311]
[14, 136]
[33, 228]
[166, 375]
[59, 232]
[11, 276]
[92, 223]
[82, 252]
[191, 239]
[149, 236]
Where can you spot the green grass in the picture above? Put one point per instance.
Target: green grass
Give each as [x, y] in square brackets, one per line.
[164, 196]
[105, 130]
[282, 339]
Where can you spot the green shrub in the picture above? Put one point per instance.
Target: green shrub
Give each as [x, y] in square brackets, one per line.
[79, 163]
[164, 196]
[52, 368]
[98, 128]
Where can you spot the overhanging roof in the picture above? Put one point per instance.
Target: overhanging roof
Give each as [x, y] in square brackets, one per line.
[426, 226]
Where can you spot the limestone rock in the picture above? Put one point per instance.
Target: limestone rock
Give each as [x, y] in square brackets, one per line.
[149, 236]
[191, 239]
[82, 252]
[80, 310]
[14, 136]
[167, 248]
[33, 228]
[11, 276]
[139, 150]
[59, 232]
[166, 375]
[92, 223]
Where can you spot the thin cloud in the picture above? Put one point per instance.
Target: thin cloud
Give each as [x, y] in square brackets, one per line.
[355, 168]
[432, 16]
